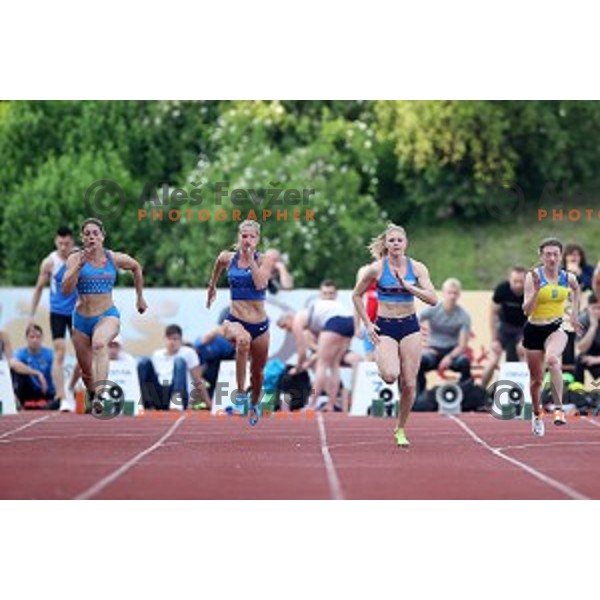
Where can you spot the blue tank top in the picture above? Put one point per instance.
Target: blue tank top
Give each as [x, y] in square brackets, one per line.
[97, 280]
[60, 304]
[241, 282]
[389, 288]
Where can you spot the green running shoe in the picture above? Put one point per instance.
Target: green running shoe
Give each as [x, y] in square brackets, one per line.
[401, 439]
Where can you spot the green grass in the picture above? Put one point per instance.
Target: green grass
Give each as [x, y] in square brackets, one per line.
[480, 255]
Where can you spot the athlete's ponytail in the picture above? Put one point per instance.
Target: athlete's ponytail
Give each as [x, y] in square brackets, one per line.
[377, 246]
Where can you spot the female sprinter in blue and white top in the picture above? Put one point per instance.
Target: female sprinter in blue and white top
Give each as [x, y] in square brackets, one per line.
[246, 325]
[396, 332]
[96, 323]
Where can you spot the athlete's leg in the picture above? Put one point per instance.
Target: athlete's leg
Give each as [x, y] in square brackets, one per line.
[84, 354]
[259, 353]
[535, 362]
[409, 351]
[236, 334]
[105, 331]
[555, 344]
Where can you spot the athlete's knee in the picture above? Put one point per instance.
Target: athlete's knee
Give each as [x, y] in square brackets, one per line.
[389, 375]
[59, 354]
[536, 380]
[243, 340]
[553, 361]
[99, 346]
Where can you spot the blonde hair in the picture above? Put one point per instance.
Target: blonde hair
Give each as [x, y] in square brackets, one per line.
[377, 246]
[247, 223]
[452, 282]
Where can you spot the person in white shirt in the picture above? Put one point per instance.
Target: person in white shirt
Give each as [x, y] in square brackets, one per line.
[165, 374]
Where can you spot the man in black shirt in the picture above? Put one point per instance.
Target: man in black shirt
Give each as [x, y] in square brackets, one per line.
[506, 321]
[588, 344]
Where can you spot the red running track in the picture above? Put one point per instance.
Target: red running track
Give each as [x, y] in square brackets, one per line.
[472, 456]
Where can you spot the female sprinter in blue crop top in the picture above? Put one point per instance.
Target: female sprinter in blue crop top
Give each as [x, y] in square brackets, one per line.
[93, 271]
[246, 325]
[396, 332]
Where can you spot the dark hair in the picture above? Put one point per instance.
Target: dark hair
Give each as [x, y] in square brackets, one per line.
[328, 283]
[550, 242]
[93, 221]
[569, 249]
[173, 330]
[518, 269]
[33, 326]
[64, 232]
[592, 298]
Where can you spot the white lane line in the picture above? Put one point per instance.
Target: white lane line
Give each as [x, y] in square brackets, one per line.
[31, 423]
[334, 482]
[106, 481]
[549, 445]
[561, 487]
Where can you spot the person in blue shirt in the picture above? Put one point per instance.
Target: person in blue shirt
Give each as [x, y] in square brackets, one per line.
[246, 325]
[52, 270]
[96, 320]
[32, 369]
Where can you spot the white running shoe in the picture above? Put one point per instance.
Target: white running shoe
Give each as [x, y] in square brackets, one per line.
[67, 404]
[537, 426]
[558, 416]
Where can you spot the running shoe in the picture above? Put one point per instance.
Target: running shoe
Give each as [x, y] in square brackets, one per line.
[401, 439]
[558, 416]
[254, 414]
[537, 425]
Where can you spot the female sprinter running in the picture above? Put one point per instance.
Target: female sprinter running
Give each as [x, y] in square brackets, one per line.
[546, 290]
[246, 324]
[396, 332]
[93, 271]
[333, 325]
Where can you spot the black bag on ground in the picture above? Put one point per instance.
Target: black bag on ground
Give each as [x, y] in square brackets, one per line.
[297, 386]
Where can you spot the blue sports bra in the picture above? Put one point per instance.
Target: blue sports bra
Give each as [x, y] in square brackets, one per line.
[241, 282]
[97, 280]
[389, 288]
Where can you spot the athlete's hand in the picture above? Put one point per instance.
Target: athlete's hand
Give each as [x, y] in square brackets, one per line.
[211, 296]
[444, 363]
[372, 332]
[576, 325]
[400, 279]
[141, 305]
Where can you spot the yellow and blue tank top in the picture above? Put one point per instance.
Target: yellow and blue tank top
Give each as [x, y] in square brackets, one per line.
[552, 297]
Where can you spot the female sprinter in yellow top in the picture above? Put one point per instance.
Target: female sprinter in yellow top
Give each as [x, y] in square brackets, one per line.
[396, 332]
[246, 324]
[547, 288]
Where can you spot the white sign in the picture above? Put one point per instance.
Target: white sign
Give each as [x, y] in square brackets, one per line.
[225, 386]
[369, 387]
[518, 374]
[7, 396]
[124, 373]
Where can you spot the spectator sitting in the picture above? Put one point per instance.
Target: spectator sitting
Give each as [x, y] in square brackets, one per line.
[575, 262]
[165, 374]
[212, 348]
[588, 344]
[449, 329]
[32, 370]
[507, 320]
[116, 352]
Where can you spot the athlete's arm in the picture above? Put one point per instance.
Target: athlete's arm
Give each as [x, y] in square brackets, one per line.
[222, 261]
[425, 290]
[532, 287]
[73, 266]
[261, 273]
[42, 282]
[124, 261]
[575, 293]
